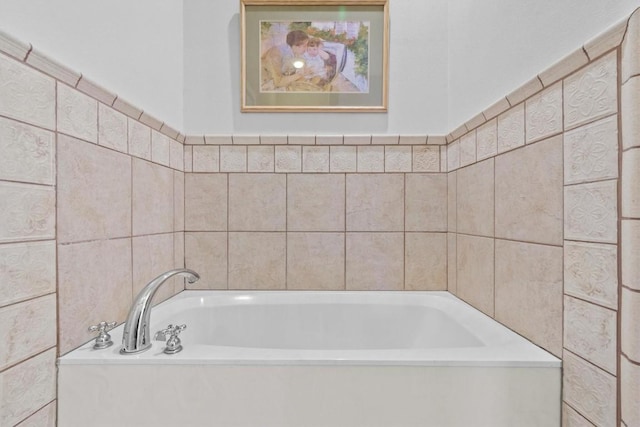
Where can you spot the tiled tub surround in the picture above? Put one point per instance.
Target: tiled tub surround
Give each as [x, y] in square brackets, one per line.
[587, 285]
[92, 207]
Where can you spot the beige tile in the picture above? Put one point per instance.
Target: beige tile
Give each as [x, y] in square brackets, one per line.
[188, 158]
[301, 139]
[413, 139]
[151, 121]
[591, 93]
[329, 139]
[397, 158]
[436, 140]
[385, 139]
[497, 108]
[357, 139]
[96, 91]
[47, 65]
[29, 212]
[126, 108]
[571, 418]
[426, 159]
[475, 276]
[591, 212]
[631, 183]
[564, 67]
[178, 201]
[459, 131]
[315, 261]
[315, 159]
[260, 159]
[591, 152]
[257, 202]
[375, 261]
[45, 417]
[288, 159]
[511, 129]
[443, 158]
[152, 198]
[27, 329]
[630, 319]
[77, 114]
[205, 201]
[206, 253]
[630, 54]
[453, 156]
[152, 256]
[14, 47]
[176, 155]
[273, 139]
[28, 153]
[316, 202]
[27, 387]
[589, 390]
[233, 158]
[607, 40]
[487, 140]
[630, 248]
[178, 260]
[425, 261]
[139, 139]
[452, 211]
[94, 192]
[475, 199]
[544, 114]
[468, 149]
[525, 91]
[243, 140]
[112, 129]
[160, 148]
[591, 272]
[206, 158]
[343, 159]
[169, 131]
[452, 264]
[257, 260]
[590, 332]
[88, 272]
[26, 94]
[629, 392]
[199, 139]
[221, 140]
[426, 202]
[475, 121]
[370, 159]
[375, 202]
[27, 270]
[529, 193]
[630, 109]
[529, 291]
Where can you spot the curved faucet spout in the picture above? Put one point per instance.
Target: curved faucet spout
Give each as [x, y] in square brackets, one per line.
[137, 332]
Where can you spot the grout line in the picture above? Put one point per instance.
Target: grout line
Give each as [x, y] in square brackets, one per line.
[578, 412]
[32, 356]
[55, 399]
[582, 299]
[28, 299]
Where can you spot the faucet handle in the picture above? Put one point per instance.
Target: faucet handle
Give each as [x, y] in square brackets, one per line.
[103, 340]
[173, 343]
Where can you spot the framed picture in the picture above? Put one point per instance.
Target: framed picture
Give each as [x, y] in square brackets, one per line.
[314, 55]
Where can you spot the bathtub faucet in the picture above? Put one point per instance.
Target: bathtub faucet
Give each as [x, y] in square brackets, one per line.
[137, 333]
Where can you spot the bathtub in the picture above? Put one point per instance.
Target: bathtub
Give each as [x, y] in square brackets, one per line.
[356, 359]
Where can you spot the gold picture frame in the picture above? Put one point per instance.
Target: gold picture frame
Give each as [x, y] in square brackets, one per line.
[314, 55]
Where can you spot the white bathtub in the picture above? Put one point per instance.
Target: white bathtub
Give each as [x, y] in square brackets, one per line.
[356, 359]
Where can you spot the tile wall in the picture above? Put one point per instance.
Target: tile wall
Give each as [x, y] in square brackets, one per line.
[543, 203]
[91, 209]
[305, 212]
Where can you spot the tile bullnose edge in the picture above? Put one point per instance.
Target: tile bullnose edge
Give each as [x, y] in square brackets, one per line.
[169, 131]
[525, 91]
[151, 121]
[127, 108]
[631, 40]
[49, 66]
[497, 108]
[607, 40]
[95, 91]
[476, 121]
[565, 66]
[14, 47]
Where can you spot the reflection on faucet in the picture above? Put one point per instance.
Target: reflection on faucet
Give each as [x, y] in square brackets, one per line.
[137, 334]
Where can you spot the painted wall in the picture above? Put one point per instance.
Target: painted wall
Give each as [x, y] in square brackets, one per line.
[133, 48]
[417, 76]
[486, 55]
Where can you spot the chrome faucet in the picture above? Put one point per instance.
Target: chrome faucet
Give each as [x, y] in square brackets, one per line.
[137, 333]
